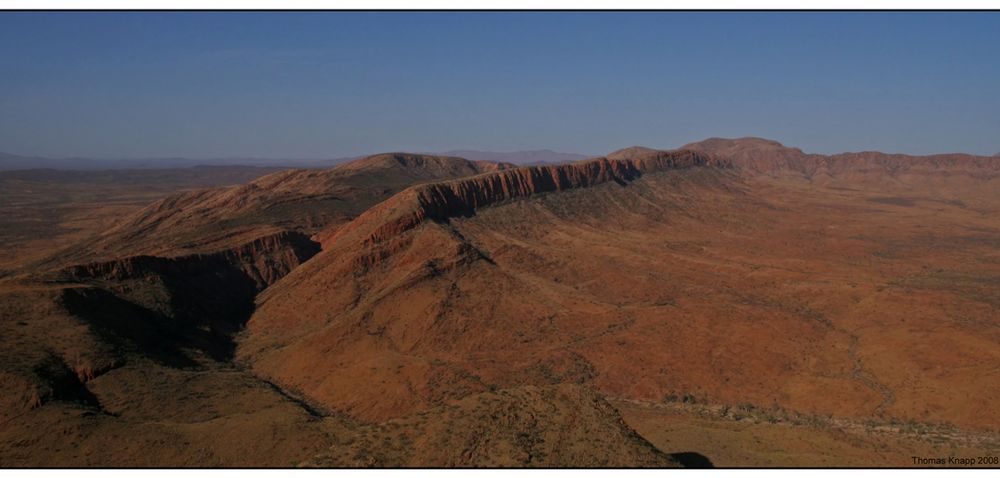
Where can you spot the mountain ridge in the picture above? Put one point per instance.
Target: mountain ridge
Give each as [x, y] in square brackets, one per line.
[304, 200]
[521, 158]
[16, 162]
[507, 301]
[441, 200]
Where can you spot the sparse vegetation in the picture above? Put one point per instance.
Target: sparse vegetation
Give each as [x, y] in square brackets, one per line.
[480, 322]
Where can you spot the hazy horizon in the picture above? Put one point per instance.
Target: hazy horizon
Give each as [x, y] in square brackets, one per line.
[625, 271]
[292, 158]
[252, 160]
[324, 85]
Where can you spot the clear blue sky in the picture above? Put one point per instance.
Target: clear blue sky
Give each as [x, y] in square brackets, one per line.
[320, 85]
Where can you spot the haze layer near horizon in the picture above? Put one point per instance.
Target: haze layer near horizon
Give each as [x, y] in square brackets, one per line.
[334, 84]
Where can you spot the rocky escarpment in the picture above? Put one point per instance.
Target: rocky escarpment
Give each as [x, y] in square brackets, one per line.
[442, 200]
[402, 246]
[66, 328]
[197, 301]
[371, 176]
[214, 290]
[262, 261]
[762, 156]
[303, 200]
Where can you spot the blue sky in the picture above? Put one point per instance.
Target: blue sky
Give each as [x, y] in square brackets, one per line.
[321, 85]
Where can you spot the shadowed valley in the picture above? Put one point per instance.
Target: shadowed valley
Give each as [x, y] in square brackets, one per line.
[729, 303]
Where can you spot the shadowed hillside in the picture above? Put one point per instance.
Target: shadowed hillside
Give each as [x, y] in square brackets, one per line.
[615, 278]
[302, 200]
[412, 310]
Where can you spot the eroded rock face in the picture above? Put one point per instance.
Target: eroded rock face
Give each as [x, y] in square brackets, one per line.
[79, 323]
[548, 275]
[442, 200]
[762, 156]
[301, 200]
[458, 198]
[176, 280]
[263, 260]
[496, 303]
[184, 294]
[387, 273]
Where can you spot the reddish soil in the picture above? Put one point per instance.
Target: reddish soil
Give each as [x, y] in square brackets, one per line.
[407, 310]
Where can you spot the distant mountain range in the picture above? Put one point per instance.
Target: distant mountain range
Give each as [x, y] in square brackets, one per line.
[10, 162]
[543, 156]
[13, 162]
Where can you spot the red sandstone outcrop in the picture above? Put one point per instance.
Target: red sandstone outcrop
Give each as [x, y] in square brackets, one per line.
[303, 200]
[264, 260]
[442, 200]
[756, 155]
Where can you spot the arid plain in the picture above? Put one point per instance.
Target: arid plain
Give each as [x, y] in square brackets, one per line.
[729, 303]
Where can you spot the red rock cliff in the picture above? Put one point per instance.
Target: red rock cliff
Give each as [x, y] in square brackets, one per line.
[462, 197]
[263, 260]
